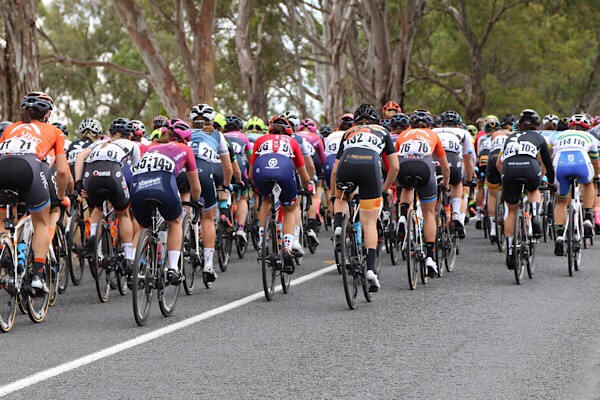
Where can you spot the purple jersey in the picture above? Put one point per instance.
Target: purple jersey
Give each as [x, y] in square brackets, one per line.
[167, 157]
[240, 143]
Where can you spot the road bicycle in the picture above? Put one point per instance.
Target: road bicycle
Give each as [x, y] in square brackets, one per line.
[524, 244]
[445, 237]
[573, 233]
[58, 260]
[224, 235]
[77, 237]
[413, 240]
[192, 252]
[547, 215]
[501, 211]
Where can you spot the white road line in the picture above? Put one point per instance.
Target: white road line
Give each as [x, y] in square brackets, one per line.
[109, 351]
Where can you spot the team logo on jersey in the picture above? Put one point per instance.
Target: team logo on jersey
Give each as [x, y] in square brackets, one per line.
[571, 158]
[118, 174]
[101, 173]
[272, 163]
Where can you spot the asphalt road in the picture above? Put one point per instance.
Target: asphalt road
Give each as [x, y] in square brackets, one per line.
[473, 334]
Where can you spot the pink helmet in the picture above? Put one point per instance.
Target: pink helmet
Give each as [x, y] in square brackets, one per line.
[178, 127]
[309, 124]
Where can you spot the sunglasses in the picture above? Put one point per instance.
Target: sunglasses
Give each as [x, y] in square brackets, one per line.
[254, 127]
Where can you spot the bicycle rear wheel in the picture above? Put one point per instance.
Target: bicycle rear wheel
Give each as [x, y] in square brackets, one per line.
[101, 260]
[580, 238]
[270, 258]
[518, 243]
[348, 259]
[441, 224]
[531, 245]
[38, 303]
[571, 240]
[189, 256]
[500, 235]
[8, 291]
[76, 244]
[286, 281]
[412, 262]
[168, 294]
[63, 265]
[143, 277]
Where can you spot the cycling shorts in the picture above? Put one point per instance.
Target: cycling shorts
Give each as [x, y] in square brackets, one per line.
[517, 168]
[106, 175]
[270, 168]
[492, 175]
[23, 174]
[456, 168]
[328, 168]
[159, 185]
[128, 175]
[207, 183]
[363, 168]
[318, 166]
[423, 168]
[217, 171]
[482, 163]
[571, 164]
[50, 174]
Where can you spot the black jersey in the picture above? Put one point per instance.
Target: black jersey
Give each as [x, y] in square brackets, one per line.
[528, 144]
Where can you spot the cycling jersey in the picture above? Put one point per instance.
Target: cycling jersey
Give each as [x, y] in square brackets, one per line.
[36, 138]
[119, 151]
[455, 140]
[76, 148]
[332, 145]
[419, 143]
[316, 142]
[240, 144]
[208, 146]
[492, 175]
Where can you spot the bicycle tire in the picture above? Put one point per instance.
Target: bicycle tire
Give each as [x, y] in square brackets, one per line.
[189, 253]
[8, 294]
[269, 255]
[37, 306]
[518, 244]
[347, 253]
[241, 245]
[76, 244]
[143, 266]
[394, 244]
[577, 243]
[440, 221]
[570, 240]
[63, 270]
[411, 254]
[286, 282]
[500, 235]
[168, 294]
[104, 243]
[453, 250]
[531, 244]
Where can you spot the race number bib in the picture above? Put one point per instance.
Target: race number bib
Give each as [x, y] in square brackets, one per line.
[153, 162]
[205, 152]
[414, 149]
[108, 152]
[237, 148]
[18, 145]
[365, 140]
[73, 154]
[276, 146]
[451, 143]
[519, 149]
[332, 148]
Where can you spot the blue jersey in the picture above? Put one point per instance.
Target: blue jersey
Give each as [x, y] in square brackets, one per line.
[208, 146]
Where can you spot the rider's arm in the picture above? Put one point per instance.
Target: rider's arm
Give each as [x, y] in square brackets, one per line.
[299, 163]
[191, 170]
[547, 160]
[62, 166]
[80, 161]
[391, 173]
[237, 172]
[333, 175]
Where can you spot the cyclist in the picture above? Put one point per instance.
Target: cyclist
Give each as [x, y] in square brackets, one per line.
[212, 157]
[482, 144]
[550, 122]
[157, 123]
[65, 132]
[332, 145]
[138, 135]
[104, 161]
[390, 109]
[154, 176]
[492, 175]
[255, 128]
[416, 147]
[459, 154]
[517, 160]
[274, 159]
[89, 129]
[241, 146]
[358, 160]
[24, 144]
[508, 120]
[563, 124]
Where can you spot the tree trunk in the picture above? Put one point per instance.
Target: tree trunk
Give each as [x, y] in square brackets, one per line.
[203, 52]
[477, 95]
[381, 51]
[161, 77]
[19, 58]
[249, 63]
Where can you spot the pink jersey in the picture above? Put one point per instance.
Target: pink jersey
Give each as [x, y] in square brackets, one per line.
[239, 142]
[166, 157]
[316, 142]
[278, 144]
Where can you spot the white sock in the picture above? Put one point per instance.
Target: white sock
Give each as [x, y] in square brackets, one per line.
[174, 259]
[456, 201]
[208, 257]
[128, 250]
[287, 241]
[493, 225]
[93, 229]
[261, 235]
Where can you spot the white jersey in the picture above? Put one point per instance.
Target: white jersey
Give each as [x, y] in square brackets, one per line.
[455, 140]
[498, 139]
[332, 143]
[572, 140]
[120, 151]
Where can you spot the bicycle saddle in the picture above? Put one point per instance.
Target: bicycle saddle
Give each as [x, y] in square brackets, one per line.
[346, 187]
[152, 202]
[103, 193]
[412, 181]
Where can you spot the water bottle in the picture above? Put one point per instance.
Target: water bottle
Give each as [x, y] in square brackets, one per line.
[21, 256]
[161, 246]
[358, 233]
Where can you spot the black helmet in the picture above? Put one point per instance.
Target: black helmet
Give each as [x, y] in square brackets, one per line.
[368, 112]
[385, 123]
[3, 126]
[563, 124]
[234, 123]
[325, 130]
[399, 121]
[123, 126]
[159, 121]
[450, 117]
[421, 116]
[62, 127]
[529, 115]
[508, 119]
[38, 101]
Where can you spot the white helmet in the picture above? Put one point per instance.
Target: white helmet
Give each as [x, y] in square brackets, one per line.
[550, 118]
[203, 110]
[293, 118]
[139, 125]
[92, 125]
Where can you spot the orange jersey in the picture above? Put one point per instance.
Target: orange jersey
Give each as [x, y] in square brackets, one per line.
[37, 138]
[419, 143]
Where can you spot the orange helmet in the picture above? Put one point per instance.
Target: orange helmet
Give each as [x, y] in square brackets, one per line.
[391, 105]
[277, 120]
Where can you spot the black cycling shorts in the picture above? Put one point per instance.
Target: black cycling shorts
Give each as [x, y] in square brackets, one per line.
[106, 176]
[318, 166]
[482, 163]
[456, 168]
[207, 183]
[363, 168]
[492, 173]
[50, 174]
[158, 185]
[422, 168]
[515, 169]
[23, 174]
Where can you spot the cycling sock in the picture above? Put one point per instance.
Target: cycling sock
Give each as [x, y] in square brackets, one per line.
[51, 232]
[338, 218]
[430, 246]
[588, 214]
[222, 205]
[404, 209]
[38, 266]
[560, 230]
[128, 250]
[493, 224]
[456, 202]
[208, 256]
[312, 224]
[509, 242]
[174, 259]
[371, 256]
[93, 229]
[535, 206]
[241, 227]
[261, 234]
[287, 241]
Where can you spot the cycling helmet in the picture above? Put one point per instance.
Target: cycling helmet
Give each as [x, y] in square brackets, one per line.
[346, 119]
[220, 121]
[309, 124]
[122, 126]
[234, 123]
[140, 129]
[292, 119]
[38, 101]
[203, 111]
[159, 121]
[581, 120]
[179, 128]
[491, 126]
[256, 123]
[62, 127]
[421, 116]
[550, 118]
[325, 130]
[391, 105]
[281, 121]
[385, 123]
[450, 117]
[529, 115]
[563, 124]
[91, 125]
[368, 112]
[490, 118]
[472, 129]
[399, 121]
[3, 126]
[508, 119]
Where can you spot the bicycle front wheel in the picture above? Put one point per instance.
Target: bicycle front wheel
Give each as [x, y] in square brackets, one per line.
[38, 303]
[101, 260]
[8, 290]
[76, 249]
[143, 277]
[270, 258]
[348, 258]
[189, 255]
[169, 294]
[412, 261]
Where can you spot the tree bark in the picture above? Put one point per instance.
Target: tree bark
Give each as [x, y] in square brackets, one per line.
[203, 50]
[380, 49]
[160, 75]
[249, 63]
[19, 58]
